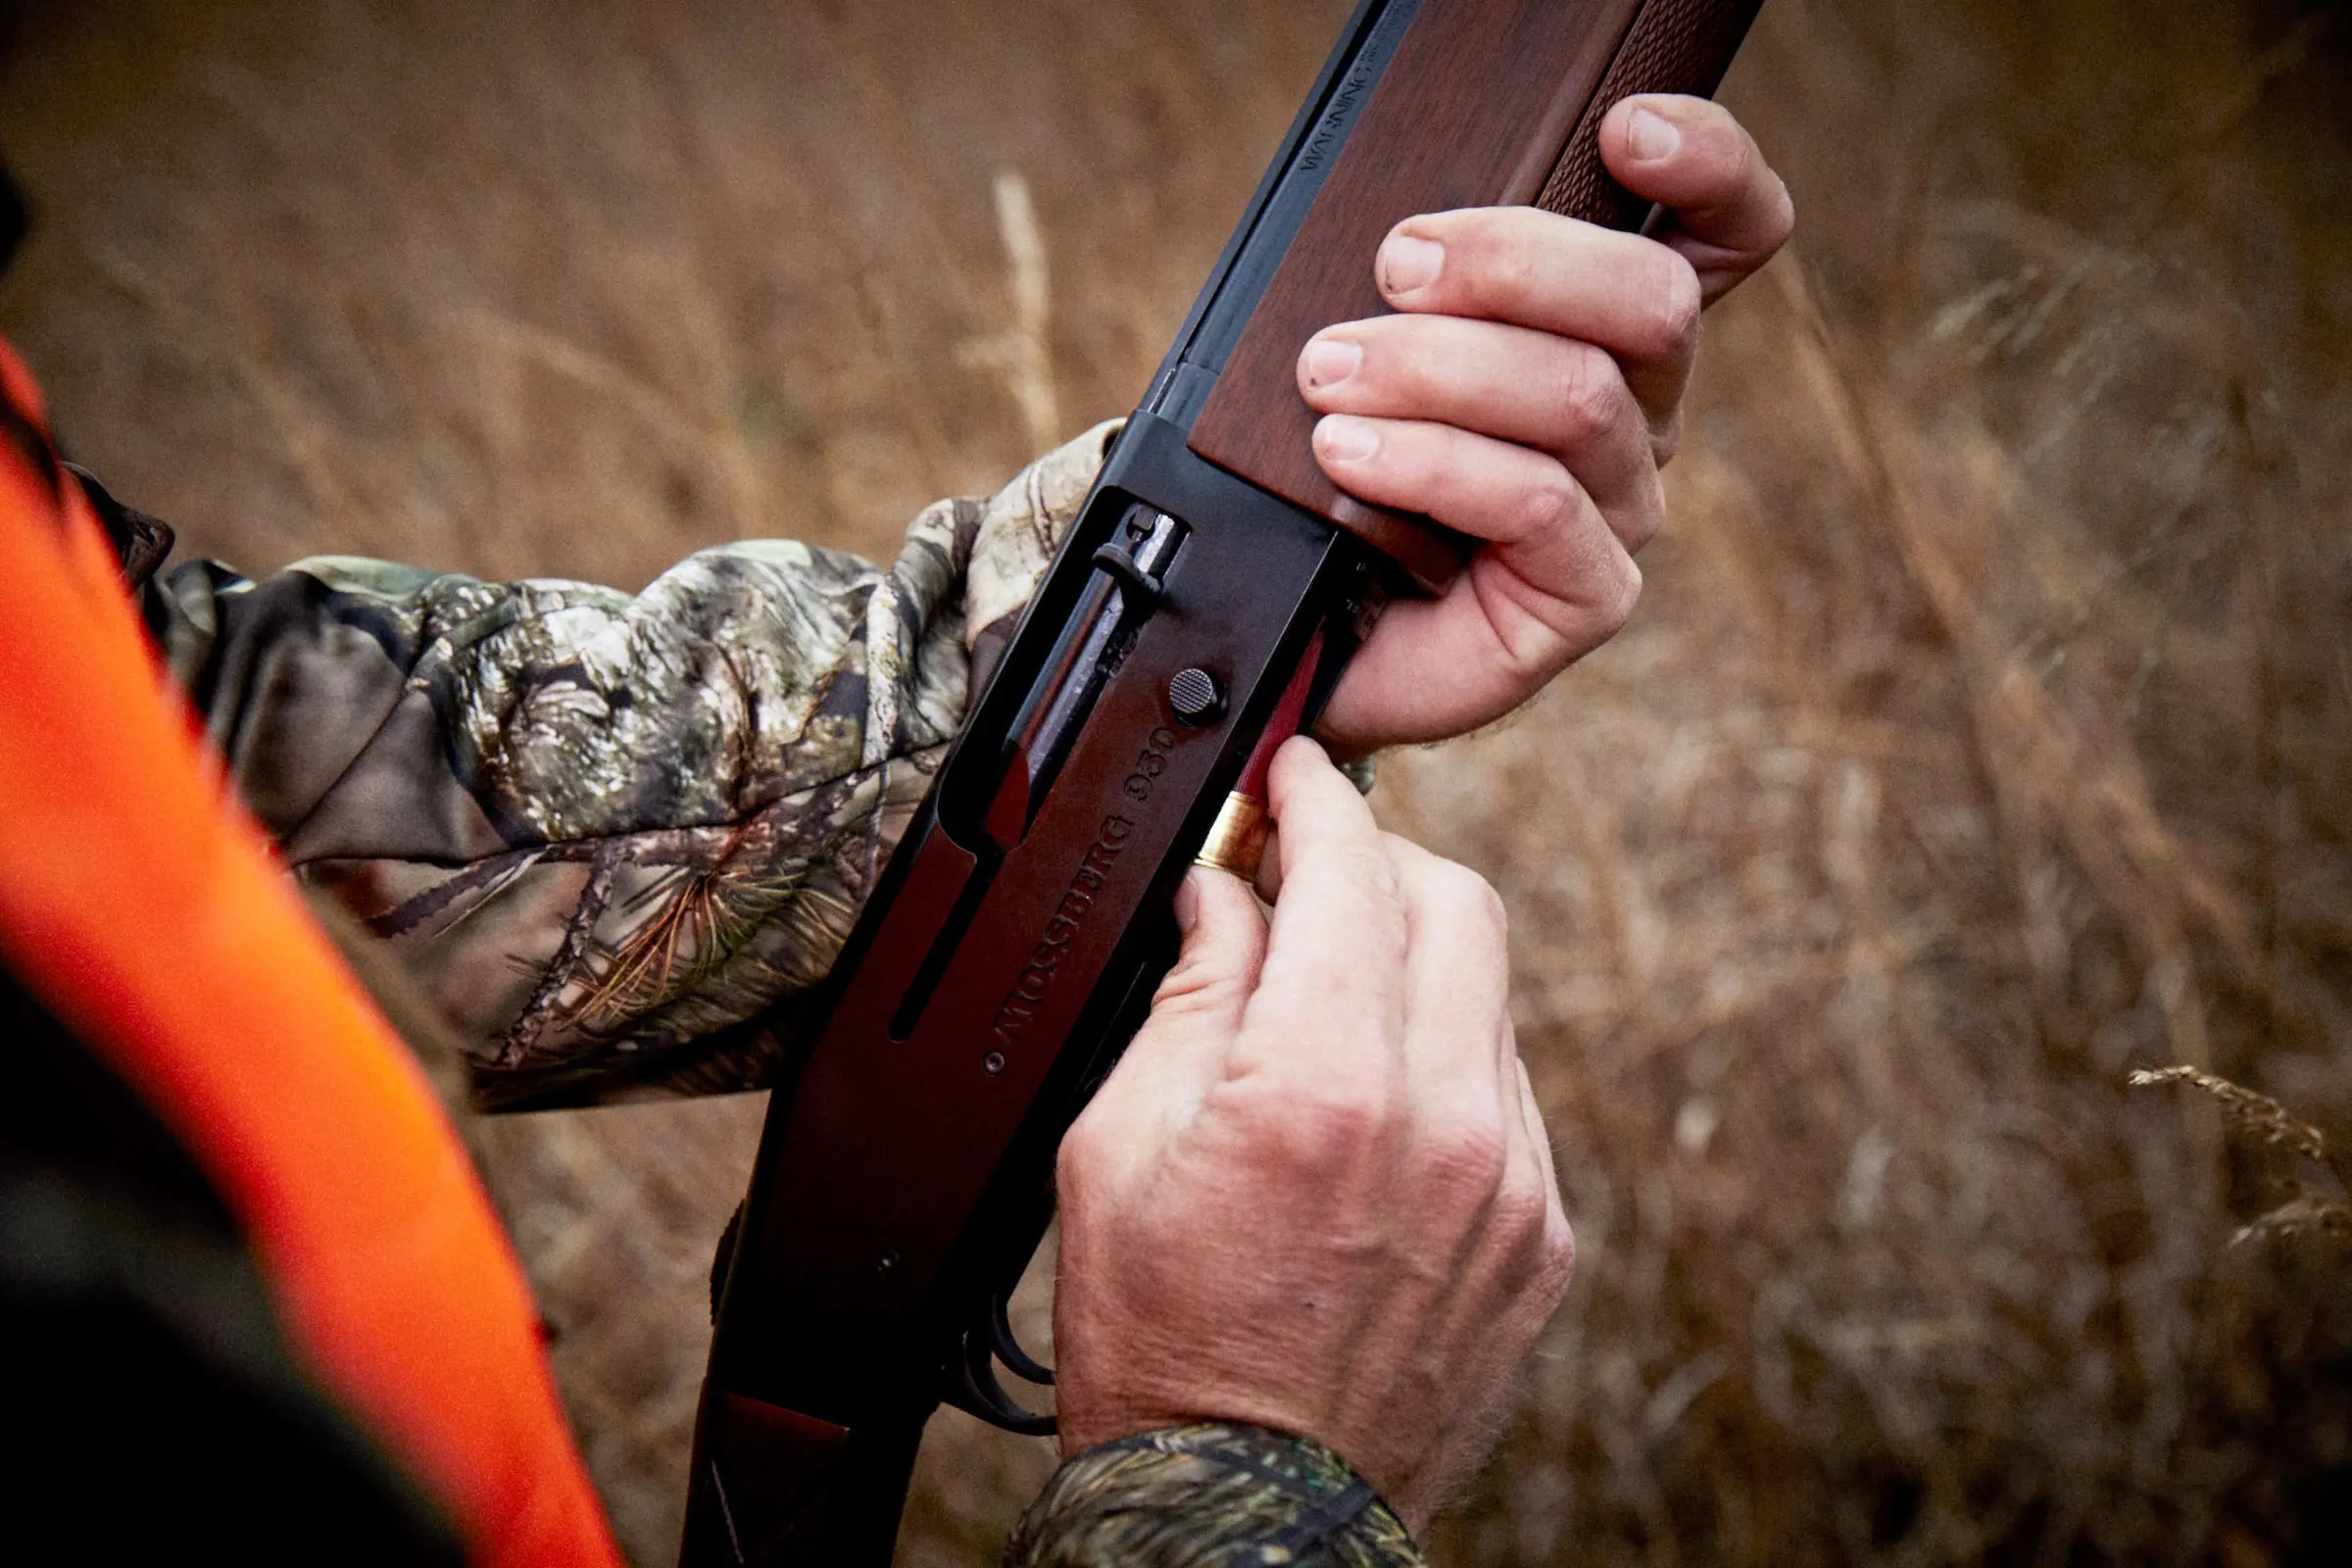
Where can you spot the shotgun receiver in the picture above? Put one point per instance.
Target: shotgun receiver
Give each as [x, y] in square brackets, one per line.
[1203, 605]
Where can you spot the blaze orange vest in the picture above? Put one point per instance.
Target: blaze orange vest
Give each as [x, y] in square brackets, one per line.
[141, 906]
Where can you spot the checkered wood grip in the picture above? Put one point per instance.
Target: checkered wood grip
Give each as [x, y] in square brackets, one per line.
[1682, 46]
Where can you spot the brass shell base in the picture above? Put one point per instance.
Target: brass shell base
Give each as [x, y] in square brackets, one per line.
[1236, 841]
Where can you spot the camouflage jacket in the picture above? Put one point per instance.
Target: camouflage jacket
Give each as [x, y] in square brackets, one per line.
[615, 838]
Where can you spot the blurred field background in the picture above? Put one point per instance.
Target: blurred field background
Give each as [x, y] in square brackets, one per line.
[1983, 734]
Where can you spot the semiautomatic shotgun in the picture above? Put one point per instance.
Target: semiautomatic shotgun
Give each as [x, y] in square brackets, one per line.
[1200, 610]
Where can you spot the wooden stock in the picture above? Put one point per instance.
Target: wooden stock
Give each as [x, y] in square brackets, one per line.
[1487, 103]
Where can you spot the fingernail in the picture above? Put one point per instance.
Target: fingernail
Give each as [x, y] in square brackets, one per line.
[1408, 262]
[1650, 136]
[1345, 439]
[1330, 360]
[1188, 904]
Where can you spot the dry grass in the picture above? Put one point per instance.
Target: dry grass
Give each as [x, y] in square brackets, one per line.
[1983, 737]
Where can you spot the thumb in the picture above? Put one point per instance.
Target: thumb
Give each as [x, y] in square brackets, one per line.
[1224, 947]
[1181, 1052]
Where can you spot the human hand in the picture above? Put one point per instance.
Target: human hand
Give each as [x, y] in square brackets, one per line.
[1526, 393]
[1316, 1194]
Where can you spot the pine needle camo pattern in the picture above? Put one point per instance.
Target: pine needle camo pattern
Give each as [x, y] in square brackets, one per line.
[611, 833]
[1209, 1496]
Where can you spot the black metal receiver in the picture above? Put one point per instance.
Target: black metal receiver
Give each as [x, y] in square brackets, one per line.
[1012, 947]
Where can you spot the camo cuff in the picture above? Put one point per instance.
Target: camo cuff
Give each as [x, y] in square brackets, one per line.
[1209, 1496]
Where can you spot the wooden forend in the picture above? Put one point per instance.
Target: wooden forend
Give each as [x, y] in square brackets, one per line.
[1472, 111]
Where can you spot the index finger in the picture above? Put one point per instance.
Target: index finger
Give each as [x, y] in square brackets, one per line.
[1458, 1007]
[1331, 989]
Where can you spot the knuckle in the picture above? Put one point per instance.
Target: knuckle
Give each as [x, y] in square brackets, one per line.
[1534, 651]
[1780, 216]
[1722, 156]
[1548, 505]
[1590, 396]
[1557, 1262]
[1523, 1211]
[1405, 361]
[1468, 1156]
[1673, 304]
[1502, 257]
[1642, 518]
[1734, 159]
[1664, 442]
[1472, 900]
[1198, 984]
[1618, 597]
[1336, 1125]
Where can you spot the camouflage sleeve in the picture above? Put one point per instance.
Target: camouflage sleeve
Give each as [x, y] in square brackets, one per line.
[1209, 1496]
[611, 833]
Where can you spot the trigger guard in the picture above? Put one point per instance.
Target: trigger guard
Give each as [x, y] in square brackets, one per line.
[975, 1391]
[1017, 1361]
